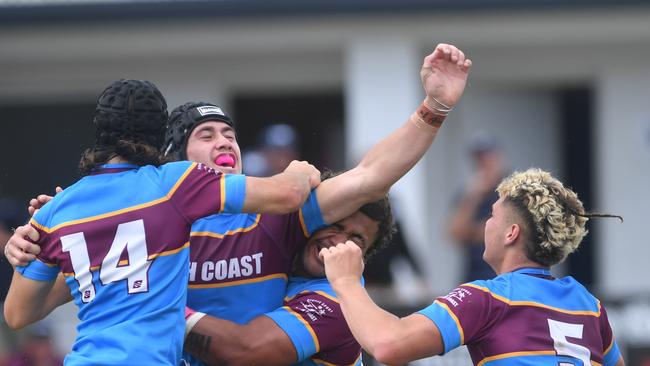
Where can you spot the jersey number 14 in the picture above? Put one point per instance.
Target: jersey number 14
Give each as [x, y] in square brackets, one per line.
[129, 235]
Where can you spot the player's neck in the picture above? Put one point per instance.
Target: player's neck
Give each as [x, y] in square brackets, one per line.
[117, 160]
[515, 262]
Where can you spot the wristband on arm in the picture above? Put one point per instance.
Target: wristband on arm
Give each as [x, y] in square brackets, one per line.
[191, 318]
[425, 117]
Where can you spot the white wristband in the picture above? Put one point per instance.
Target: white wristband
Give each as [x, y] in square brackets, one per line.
[191, 321]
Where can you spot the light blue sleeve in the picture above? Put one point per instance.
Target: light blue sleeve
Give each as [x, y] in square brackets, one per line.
[612, 356]
[300, 335]
[39, 271]
[311, 215]
[235, 185]
[446, 325]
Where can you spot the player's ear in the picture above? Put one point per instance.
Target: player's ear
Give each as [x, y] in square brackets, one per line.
[513, 233]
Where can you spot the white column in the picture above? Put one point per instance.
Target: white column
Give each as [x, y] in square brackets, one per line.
[382, 89]
[623, 180]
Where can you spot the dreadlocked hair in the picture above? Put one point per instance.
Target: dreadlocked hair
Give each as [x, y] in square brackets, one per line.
[554, 217]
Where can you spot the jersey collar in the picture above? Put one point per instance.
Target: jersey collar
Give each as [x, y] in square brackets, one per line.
[113, 168]
[534, 271]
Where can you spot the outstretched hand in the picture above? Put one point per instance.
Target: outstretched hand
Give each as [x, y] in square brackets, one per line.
[444, 75]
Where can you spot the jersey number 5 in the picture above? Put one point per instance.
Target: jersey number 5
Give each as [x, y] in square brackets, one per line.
[559, 332]
[129, 235]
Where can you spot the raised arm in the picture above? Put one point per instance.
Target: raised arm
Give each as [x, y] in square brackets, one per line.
[389, 339]
[282, 193]
[444, 74]
[260, 342]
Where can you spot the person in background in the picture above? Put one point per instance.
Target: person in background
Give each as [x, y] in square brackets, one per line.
[276, 147]
[472, 208]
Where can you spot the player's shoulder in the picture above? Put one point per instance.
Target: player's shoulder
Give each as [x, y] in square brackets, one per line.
[223, 223]
[166, 176]
[299, 284]
[578, 296]
[500, 285]
[558, 293]
[178, 167]
[44, 216]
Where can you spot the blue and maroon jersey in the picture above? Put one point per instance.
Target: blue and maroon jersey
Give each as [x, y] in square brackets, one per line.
[239, 264]
[313, 320]
[120, 236]
[526, 317]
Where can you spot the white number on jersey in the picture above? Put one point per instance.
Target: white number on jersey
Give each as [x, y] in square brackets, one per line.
[559, 332]
[129, 235]
[76, 245]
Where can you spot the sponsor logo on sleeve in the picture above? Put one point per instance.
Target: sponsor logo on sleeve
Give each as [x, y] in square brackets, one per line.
[314, 309]
[205, 168]
[457, 296]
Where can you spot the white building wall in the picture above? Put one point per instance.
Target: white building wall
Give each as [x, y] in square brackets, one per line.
[623, 180]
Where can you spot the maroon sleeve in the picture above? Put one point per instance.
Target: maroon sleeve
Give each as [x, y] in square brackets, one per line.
[198, 192]
[322, 313]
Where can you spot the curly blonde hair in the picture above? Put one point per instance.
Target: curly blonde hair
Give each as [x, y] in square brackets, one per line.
[554, 217]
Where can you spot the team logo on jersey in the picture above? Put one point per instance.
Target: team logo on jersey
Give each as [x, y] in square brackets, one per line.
[314, 309]
[208, 110]
[457, 296]
[203, 167]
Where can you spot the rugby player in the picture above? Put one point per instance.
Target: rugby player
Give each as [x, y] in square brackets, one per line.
[524, 316]
[119, 235]
[309, 328]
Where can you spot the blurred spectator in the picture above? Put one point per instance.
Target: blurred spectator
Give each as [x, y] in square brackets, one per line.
[474, 205]
[277, 147]
[254, 163]
[12, 214]
[36, 348]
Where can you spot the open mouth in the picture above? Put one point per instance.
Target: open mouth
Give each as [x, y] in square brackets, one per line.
[225, 161]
